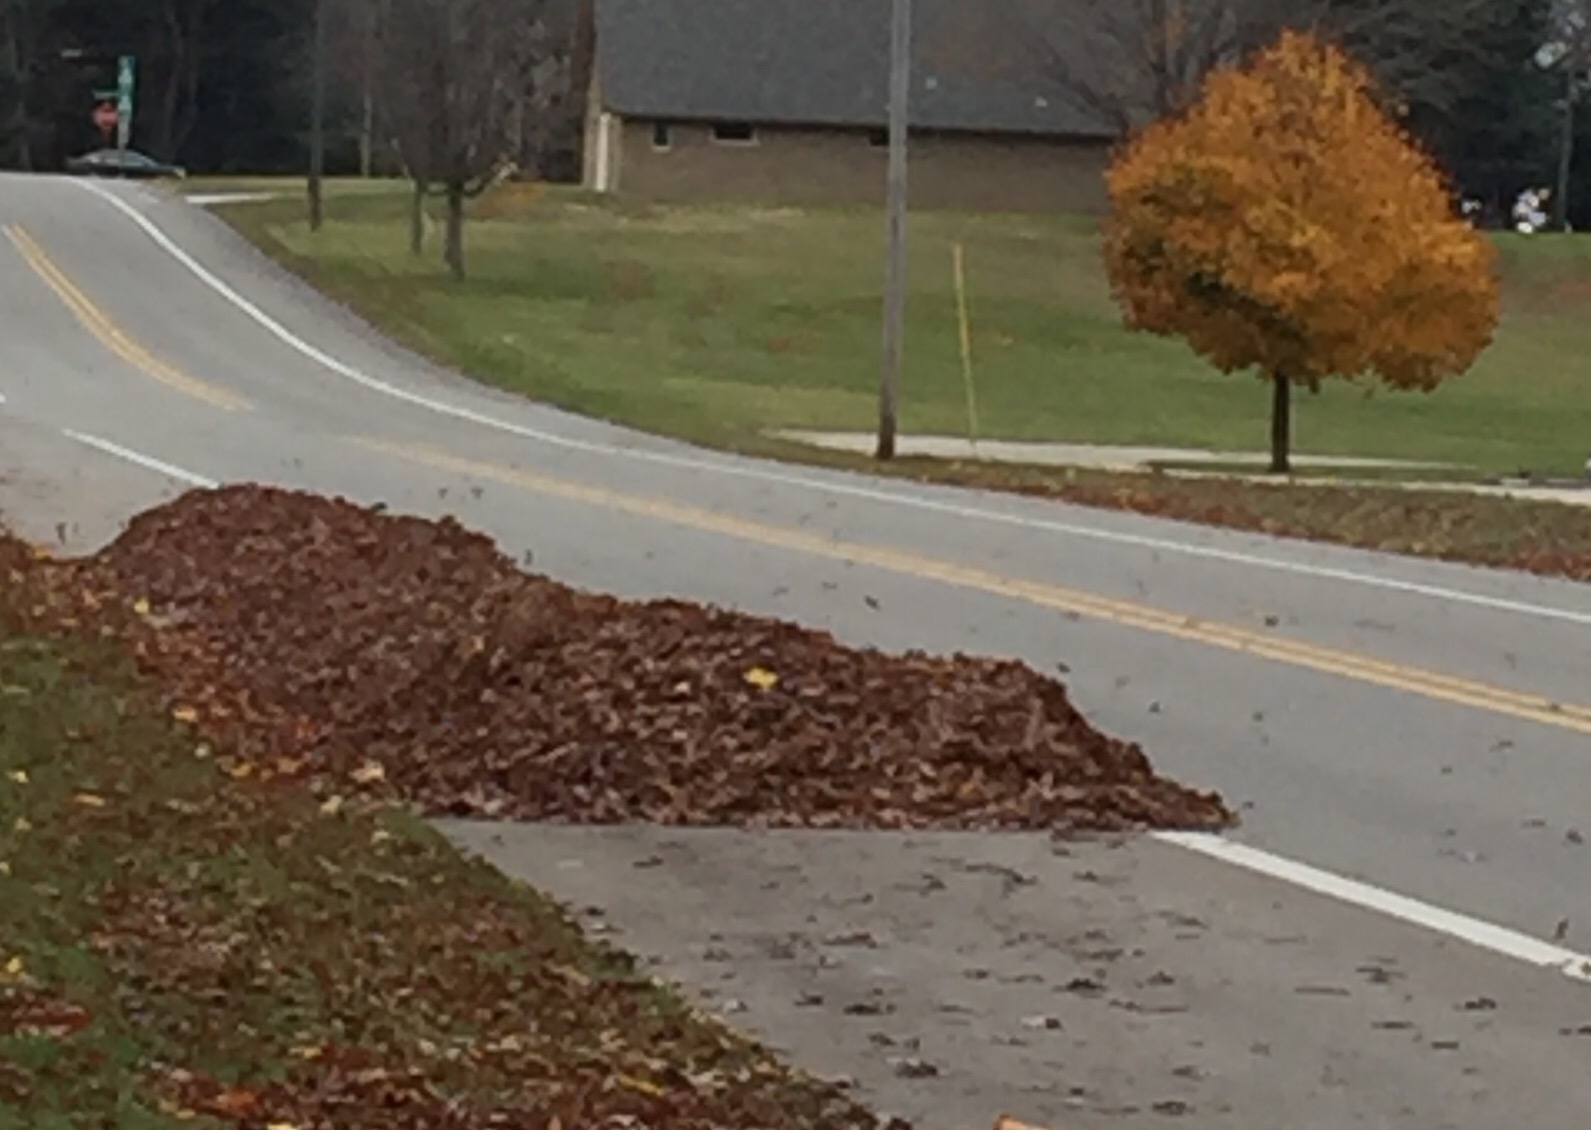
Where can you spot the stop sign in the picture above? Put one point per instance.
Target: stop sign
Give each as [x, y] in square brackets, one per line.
[105, 116]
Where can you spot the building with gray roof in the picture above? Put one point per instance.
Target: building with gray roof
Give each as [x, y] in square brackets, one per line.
[786, 101]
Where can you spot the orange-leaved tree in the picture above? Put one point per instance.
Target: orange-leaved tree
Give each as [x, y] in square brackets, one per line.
[1285, 224]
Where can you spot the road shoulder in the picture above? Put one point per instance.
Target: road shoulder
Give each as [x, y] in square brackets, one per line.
[956, 976]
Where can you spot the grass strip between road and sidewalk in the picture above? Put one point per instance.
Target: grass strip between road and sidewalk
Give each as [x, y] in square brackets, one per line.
[186, 941]
[1547, 538]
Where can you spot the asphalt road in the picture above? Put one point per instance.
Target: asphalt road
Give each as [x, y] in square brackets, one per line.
[1417, 732]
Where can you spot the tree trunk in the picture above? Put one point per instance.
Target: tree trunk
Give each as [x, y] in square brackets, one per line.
[1560, 199]
[317, 121]
[367, 136]
[453, 250]
[1281, 425]
[14, 119]
[161, 139]
[417, 219]
[367, 95]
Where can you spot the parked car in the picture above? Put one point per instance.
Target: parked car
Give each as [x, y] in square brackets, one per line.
[123, 163]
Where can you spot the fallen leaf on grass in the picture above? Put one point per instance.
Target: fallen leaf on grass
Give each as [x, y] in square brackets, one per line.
[235, 1103]
[36, 1015]
[572, 975]
[186, 714]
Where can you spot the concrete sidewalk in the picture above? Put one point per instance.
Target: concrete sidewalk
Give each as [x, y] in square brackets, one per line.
[1082, 986]
[1137, 460]
[1094, 456]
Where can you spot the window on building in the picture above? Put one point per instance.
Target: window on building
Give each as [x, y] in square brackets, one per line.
[662, 135]
[735, 133]
[878, 138]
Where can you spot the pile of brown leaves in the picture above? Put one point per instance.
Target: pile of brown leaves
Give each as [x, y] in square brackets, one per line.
[412, 654]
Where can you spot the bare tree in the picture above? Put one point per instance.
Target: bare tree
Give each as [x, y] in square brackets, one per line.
[16, 57]
[362, 42]
[453, 77]
[354, 111]
[1568, 52]
[1130, 61]
[176, 99]
[1421, 52]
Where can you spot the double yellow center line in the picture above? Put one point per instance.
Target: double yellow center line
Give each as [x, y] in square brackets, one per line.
[1228, 637]
[98, 323]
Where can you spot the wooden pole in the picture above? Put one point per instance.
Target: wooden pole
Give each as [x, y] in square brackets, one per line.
[317, 121]
[895, 276]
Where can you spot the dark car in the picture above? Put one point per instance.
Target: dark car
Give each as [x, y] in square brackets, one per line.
[124, 163]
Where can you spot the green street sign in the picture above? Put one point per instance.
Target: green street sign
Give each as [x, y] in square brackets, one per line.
[125, 71]
[125, 83]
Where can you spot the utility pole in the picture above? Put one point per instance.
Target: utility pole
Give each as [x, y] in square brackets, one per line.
[317, 121]
[900, 84]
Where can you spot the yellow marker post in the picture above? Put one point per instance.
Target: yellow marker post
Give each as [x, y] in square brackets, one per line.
[958, 260]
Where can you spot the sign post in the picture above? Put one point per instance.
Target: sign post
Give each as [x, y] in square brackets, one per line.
[126, 79]
[105, 119]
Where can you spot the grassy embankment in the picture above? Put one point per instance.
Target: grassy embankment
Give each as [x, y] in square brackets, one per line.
[184, 944]
[724, 324]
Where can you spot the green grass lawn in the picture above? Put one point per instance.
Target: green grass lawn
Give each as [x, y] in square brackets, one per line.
[184, 944]
[720, 323]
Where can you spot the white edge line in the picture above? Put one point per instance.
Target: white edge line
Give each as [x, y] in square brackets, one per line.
[1497, 939]
[1231, 557]
[160, 467]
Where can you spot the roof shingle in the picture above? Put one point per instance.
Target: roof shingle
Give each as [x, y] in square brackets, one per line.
[826, 63]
